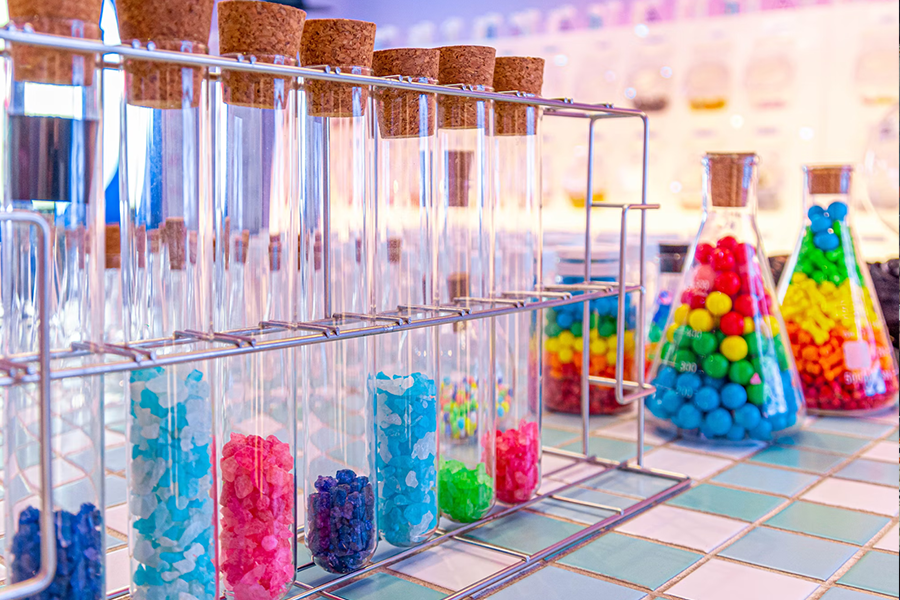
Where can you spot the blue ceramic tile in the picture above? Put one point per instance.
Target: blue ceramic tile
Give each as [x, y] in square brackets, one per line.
[845, 594]
[795, 458]
[115, 458]
[790, 552]
[113, 543]
[618, 450]
[115, 490]
[859, 427]
[875, 572]
[553, 583]
[315, 576]
[894, 436]
[550, 436]
[840, 444]
[524, 532]
[765, 479]
[629, 483]
[871, 471]
[382, 586]
[583, 514]
[837, 524]
[630, 559]
[747, 506]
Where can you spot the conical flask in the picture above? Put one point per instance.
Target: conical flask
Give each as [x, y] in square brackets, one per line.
[837, 332]
[725, 370]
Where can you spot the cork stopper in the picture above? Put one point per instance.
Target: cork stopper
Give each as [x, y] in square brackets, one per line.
[337, 43]
[395, 249]
[173, 235]
[140, 243]
[171, 25]
[458, 285]
[464, 65]
[72, 18]
[828, 179]
[270, 32]
[459, 167]
[731, 178]
[242, 246]
[113, 249]
[517, 74]
[154, 236]
[400, 113]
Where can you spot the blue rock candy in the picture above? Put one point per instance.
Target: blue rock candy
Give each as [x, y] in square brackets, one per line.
[341, 522]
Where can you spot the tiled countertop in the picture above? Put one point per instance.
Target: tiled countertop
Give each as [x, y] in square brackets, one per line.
[812, 516]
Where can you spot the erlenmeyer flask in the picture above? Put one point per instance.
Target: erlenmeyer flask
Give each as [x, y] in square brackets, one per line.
[725, 370]
[837, 332]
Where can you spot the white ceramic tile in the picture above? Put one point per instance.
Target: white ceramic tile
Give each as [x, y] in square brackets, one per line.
[883, 451]
[454, 565]
[117, 570]
[72, 442]
[63, 472]
[720, 580]
[682, 527]
[734, 452]
[891, 540]
[577, 473]
[627, 430]
[855, 495]
[117, 518]
[549, 485]
[113, 438]
[696, 466]
[2, 517]
[2, 572]
[551, 463]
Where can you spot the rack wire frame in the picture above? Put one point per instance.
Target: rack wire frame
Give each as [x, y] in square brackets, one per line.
[37, 367]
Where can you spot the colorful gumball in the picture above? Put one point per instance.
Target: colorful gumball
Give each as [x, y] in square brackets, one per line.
[728, 283]
[732, 323]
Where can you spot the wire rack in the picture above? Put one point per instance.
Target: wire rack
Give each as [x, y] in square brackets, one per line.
[98, 357]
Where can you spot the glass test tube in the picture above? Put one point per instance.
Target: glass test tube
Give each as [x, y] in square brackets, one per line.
[341, 530]
[466, 480]
[257, 223]
[403, 391]
[167, 257]
[52, 145]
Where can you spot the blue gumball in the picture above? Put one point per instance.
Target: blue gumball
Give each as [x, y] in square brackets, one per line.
[671, 401]
[815, 211]
[654, 405]
[666, 377]
[778, 421]
[837, 210]
[820, 224]
[736, 433]
[564, 320]
[826, 241]
[689, 417]
[688, 383]
[747, 416]
[706, 399]
[733, 396]
[718, 421]
[762, 431]
[706, 432]
[715, 383]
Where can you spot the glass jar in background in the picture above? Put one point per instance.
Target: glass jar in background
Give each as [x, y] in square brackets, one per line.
[725, 371]
[564, 336]
[840, 342]
[648, 85]
[51, 125]
[769, 77]
[257, 209]
[404, 390]
[707, 85]
[671, 264]
[576, 174]
[883, 168]
[466, 481]
[876, 66]
[517, 265]
[341, 527]
[167, 225]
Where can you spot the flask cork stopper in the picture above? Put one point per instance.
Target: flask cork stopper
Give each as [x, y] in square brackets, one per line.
[400, 113]
[731, 178]
[72, 18]
[113, 249]
[828, 179]
[523, 74]
[337, 43]
[171, 25]
[459, 167]
[271, 33]
[464, 65]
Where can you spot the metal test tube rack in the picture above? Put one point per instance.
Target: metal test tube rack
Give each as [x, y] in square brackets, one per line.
[112, 358]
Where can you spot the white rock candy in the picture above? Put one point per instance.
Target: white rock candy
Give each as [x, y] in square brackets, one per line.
[425, 447]
[411, 480]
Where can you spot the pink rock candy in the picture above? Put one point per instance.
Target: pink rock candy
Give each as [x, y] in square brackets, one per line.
[518, 469]
[257, 517]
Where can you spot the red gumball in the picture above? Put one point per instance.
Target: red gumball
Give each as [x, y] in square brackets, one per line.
[698, 299]
[686, 296]
[744, 254]
[744, 305]
[728, 283]
[704, 278]
[703, 253]
[722, 260]
[765, 304]
[732, 323]
[727, 243]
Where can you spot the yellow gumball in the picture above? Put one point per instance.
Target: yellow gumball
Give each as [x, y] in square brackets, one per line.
[566, 338]
[772, 323]
[599, 346]
[670, 333]
[551, 345]
[680, 316]
[718, 303]
[566, 355]
[612, 342]
[700, 319]
[749, 327]
[629, 341]
[578, 345]
[611, 358]
[734, 348]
